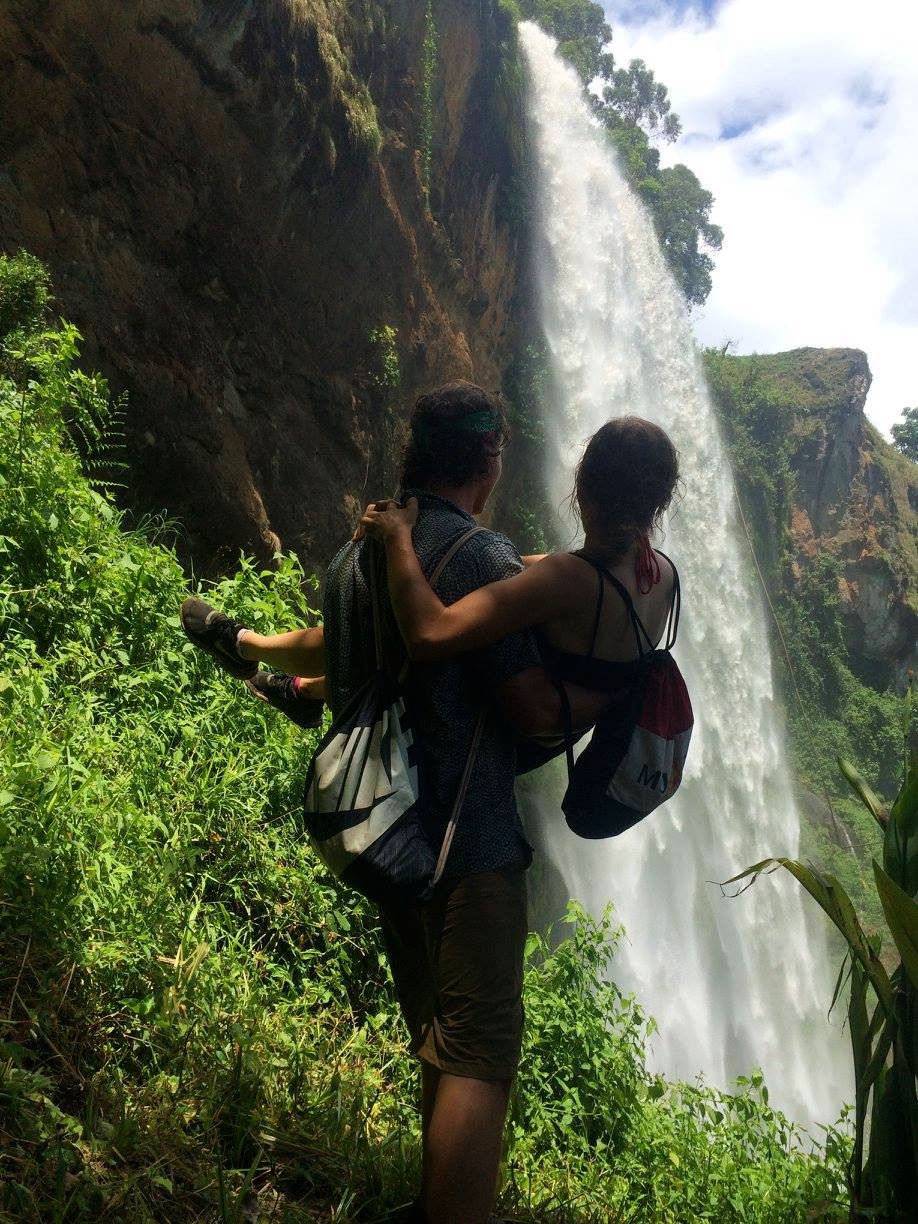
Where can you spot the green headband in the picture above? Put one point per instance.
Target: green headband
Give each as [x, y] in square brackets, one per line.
[485, 421]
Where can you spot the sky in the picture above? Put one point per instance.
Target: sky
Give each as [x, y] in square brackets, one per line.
[801, 117]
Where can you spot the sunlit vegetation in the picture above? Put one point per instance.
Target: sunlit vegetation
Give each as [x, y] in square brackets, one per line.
[198, 1024]
[905, 434]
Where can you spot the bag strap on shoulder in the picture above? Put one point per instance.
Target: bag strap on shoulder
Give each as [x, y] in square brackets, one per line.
[435, 575]
[454, 547]
[460, 797]
[479, 725]
[464, 782]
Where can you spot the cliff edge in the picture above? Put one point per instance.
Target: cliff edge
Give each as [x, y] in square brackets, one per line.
[822, 487]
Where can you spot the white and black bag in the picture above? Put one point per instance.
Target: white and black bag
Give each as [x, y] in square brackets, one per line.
[361, 805]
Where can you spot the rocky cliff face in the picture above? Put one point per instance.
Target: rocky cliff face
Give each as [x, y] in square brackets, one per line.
[853, 498]
[248, 215]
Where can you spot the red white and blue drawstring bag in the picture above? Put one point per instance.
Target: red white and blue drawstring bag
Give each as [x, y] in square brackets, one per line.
[636, 754]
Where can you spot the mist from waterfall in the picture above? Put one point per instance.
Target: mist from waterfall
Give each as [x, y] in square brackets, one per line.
[734, 983]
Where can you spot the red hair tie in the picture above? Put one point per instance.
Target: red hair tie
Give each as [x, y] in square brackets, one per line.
[646, 567]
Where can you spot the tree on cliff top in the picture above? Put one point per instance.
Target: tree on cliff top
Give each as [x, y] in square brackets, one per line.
[905, 434]
[635, 109]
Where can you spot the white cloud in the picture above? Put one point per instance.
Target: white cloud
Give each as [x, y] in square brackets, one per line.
[800, 116]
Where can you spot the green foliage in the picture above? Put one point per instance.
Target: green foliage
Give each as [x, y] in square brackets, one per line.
[635, 97]
[526, 391]
[884, 1177]
[580, 28]
[175, 1004]
[635, 109]
[832, 713]
[25, 290]
[199, 1023]
[514, 200]
[526, 387]
[905, 434]
[593, 1133]
[384, 369]
[757, 424]
[681, 208]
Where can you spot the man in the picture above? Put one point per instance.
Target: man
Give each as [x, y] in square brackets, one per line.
[457, 960]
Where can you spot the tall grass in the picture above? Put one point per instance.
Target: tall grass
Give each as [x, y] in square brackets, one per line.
[195, 1022]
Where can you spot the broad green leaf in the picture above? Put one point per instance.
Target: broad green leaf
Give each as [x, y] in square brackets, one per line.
[881, 1047]
[859, 1025]
[900, 845]
[902, 915]
[835, 903]
[863, 792]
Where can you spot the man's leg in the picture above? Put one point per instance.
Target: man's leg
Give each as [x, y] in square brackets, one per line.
[476, 931]
[430, 1082]
[463, 1149]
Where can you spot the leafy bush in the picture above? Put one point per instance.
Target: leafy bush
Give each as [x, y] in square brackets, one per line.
[187, 988]
[198, 1024]
[593, 1134]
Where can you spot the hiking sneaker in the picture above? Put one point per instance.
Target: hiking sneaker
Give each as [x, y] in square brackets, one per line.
[216, 634]
[280, 691]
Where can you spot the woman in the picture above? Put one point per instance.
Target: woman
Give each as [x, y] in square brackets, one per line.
[624, 483]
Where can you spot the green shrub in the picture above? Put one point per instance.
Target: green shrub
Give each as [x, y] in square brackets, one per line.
[196, 1017]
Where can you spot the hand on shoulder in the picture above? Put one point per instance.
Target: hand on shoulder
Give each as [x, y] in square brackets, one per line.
[386, 520]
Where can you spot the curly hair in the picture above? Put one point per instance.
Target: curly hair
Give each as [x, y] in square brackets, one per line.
[454, 432]
[627, 476]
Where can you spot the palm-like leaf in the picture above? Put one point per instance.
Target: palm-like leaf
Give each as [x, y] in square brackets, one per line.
[884, 1185]
[836, 903]
[867, 796]
[901, 912]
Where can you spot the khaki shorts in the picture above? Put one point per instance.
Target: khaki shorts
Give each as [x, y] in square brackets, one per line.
[457, 961]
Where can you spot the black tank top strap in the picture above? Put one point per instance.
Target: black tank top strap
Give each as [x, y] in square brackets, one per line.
[598, 617]
[637, 624]
[675, 606]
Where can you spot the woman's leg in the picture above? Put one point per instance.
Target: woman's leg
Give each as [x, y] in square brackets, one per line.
[301, 652]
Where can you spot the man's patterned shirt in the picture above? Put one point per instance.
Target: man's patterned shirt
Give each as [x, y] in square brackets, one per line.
[443, 699]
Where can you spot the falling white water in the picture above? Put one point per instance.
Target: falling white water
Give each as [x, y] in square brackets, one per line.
[734, 984]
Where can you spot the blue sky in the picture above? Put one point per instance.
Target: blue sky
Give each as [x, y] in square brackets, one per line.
[799, 115]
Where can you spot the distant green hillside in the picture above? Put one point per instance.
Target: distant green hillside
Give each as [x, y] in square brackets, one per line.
[830, 508]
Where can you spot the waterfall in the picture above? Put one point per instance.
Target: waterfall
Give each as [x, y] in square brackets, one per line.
[734, 984]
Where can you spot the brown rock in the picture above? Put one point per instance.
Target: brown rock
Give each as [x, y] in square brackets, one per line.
[205, 183]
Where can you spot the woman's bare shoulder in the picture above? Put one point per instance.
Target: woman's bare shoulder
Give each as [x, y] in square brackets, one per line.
[561, 572]
[562, 564]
